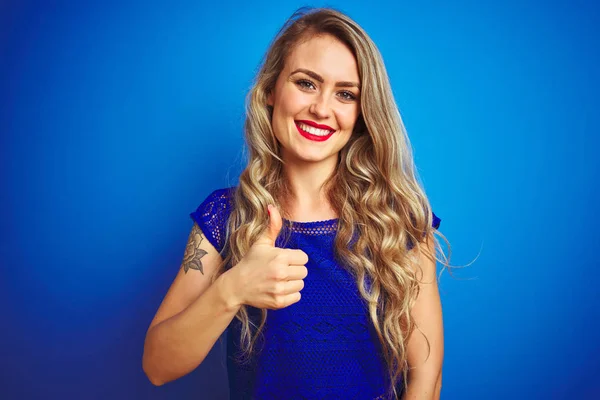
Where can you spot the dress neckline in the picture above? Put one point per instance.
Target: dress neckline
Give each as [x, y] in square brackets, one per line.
[312, 223]
[326, 226]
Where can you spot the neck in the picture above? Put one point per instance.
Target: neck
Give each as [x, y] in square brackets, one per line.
[307, 199]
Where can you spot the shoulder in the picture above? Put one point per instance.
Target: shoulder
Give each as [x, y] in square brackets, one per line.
[221, 196]
[435, 224]
[212, 215]
[217, 201]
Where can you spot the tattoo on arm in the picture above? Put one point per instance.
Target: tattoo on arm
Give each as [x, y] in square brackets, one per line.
[193, 252]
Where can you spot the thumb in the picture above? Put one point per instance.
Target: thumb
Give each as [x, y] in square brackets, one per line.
[273, 228]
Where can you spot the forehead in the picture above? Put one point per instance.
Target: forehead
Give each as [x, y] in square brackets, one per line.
[325, 55]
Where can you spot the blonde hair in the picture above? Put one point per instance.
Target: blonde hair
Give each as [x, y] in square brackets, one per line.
[374, 189]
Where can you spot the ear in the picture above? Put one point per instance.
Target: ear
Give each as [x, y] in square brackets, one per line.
[270, 98]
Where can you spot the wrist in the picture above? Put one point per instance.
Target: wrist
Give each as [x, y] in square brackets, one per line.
[228, 291]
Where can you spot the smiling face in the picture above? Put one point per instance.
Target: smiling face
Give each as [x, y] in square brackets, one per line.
[316, 100]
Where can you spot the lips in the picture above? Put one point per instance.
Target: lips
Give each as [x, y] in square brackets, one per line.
[314, 124]
[317, 133]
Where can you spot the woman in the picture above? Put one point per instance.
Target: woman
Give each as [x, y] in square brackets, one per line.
[328, 206]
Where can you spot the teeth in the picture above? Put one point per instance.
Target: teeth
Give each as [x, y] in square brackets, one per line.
[314, 131]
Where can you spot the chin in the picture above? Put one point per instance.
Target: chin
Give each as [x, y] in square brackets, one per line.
[315, 158]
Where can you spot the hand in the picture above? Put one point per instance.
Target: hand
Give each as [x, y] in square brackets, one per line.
[268, 276]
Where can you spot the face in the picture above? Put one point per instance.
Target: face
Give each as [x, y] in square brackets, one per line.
[316, 100]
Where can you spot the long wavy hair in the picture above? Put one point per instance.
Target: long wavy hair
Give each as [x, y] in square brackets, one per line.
[374, 190]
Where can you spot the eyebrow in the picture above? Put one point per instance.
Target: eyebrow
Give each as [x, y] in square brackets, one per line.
[319, 78]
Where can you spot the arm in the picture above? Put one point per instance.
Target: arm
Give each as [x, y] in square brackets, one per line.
[192, 316]
[425, 362]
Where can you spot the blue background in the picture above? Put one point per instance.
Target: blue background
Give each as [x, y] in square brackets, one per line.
[118, 120]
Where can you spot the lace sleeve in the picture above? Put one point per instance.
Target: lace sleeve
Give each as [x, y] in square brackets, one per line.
[436, 221]
[212, 215]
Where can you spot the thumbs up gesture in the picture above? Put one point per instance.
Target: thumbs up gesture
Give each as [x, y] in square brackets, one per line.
[268, 276]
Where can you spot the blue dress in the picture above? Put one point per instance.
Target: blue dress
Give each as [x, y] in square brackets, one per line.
[324, 346]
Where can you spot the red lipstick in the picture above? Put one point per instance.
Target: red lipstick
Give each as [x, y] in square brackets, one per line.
[310, 136]
[318, 126]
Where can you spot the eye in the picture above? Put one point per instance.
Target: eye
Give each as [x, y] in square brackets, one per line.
[346, 95]
[305, 84]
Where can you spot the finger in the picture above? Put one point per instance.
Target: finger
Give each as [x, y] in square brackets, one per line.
[270, 234]
[296, 257]
[293, 286]
[296, 272]
[289, 299]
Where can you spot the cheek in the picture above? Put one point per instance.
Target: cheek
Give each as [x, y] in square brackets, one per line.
[348, 117]
[292, 101]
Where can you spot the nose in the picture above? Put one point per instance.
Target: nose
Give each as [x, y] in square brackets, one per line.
[320, 107]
